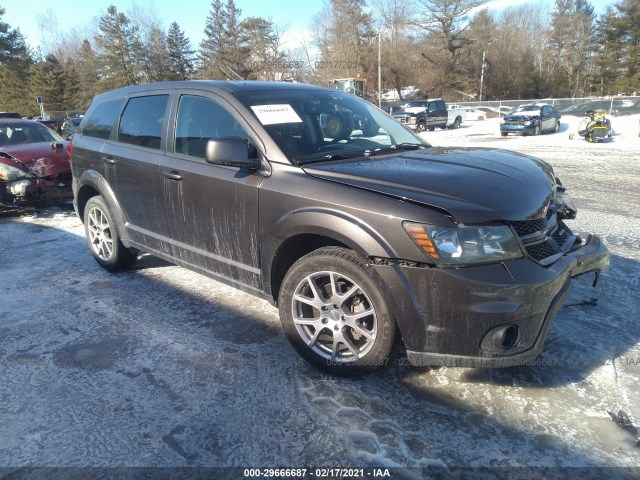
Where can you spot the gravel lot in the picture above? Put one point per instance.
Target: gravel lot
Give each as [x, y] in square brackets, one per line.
[160, 367]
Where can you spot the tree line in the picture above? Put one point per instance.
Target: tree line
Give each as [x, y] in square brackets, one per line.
[435, 45]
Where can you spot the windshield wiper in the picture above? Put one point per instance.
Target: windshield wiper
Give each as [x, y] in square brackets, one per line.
[365, 153]
[334, 156]
[399, 146]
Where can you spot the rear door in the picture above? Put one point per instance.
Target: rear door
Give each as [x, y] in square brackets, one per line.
[132, 167]
[212, 209]
[438, 113]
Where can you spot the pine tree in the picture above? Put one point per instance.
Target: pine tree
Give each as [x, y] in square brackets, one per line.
[212, 46]
[572, 45]
[86, 65]
[121, 51]
[181, 56]
[15, 62]
[156, 56]
[264, 60]
[12, 42]
[47, 81]
[341, 36]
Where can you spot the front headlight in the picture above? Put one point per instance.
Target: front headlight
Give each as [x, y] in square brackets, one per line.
[527, 123]
[11, 174]
[456, 246]
[411, 120]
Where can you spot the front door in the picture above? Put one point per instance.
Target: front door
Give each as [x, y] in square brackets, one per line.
[212, 209]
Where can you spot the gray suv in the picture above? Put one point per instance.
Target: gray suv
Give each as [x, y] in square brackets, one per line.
[355, 228]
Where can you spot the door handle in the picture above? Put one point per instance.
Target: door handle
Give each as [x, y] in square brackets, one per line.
[172, 175]
[110, 160]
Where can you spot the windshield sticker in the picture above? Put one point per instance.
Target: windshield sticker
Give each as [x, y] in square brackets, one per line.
[273, 114]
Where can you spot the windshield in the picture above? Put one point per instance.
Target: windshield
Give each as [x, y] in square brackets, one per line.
[528, 108]
[316, 125]
[27, 132]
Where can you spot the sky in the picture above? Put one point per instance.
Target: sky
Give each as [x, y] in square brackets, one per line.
[292, 16]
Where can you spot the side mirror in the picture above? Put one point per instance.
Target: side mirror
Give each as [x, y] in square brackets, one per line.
[232, 152]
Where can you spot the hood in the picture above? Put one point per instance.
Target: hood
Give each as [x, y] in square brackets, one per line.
[41, 159]
[415, 110]
[473, 184]
[522, 116]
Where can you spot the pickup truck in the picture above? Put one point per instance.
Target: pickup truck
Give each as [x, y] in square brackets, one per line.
[428, 114]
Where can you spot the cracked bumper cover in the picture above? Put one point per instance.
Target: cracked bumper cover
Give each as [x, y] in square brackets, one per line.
[451, 317]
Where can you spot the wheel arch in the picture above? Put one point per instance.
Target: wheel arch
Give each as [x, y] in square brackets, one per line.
[301, 232]
[93, 184]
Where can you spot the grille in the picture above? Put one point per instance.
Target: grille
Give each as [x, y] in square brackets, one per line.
[528, 227]
[555, 234]
[540, 251]
[560, 236]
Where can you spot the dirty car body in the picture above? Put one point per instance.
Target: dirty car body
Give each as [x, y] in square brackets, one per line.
[34, 161]
[326, 206]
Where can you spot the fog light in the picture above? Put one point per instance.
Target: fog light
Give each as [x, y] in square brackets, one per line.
[501, 339]
[18, 188]
[508, 337]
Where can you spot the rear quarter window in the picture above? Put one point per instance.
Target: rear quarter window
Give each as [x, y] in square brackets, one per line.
[102, 120]
[142, 121]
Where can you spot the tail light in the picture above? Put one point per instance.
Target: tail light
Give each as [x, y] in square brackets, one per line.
[69, 148]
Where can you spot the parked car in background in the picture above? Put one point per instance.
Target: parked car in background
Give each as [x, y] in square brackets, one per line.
[34, 160]
[473, 114]
[10, 115]
[615, 108]
[69, 126]
[424, 115]
[490, 112]
[531, 119]
[52, 123]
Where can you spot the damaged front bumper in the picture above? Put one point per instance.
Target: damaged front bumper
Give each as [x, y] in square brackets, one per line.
[486, 316]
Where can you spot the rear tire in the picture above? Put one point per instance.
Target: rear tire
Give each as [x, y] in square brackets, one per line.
[103, 238]
[334, 315]
[504, 134]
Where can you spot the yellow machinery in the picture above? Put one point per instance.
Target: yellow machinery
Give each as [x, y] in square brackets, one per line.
[356, 86]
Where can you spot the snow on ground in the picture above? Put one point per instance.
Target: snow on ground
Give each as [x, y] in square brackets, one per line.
[158, 366]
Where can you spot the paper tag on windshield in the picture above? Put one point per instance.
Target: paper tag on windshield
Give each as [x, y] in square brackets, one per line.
[272, 114]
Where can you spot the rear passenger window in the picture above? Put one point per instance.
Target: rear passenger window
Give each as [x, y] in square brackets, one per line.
[200, 119]
[142, 120]
[101, 121]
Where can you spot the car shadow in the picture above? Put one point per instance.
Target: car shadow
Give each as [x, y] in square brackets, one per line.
[595, 329]
[158, 366]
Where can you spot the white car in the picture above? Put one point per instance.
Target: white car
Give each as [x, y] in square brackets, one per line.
[475, 114]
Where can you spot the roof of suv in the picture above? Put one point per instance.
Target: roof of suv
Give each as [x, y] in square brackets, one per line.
[228, 86]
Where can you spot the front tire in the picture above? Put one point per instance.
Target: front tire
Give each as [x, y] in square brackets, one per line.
[421, 127]
[334, 315]
[103, 238]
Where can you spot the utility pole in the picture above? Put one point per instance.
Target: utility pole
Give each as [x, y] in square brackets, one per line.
[484, 56]
[380, 68]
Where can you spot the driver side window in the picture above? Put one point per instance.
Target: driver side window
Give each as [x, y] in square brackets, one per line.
[200, 119]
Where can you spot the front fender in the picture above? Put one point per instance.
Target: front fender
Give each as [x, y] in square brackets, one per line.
[366, 242]
[335, 224]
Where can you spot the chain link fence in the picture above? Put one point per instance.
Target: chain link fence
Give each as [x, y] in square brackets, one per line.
[615, 106]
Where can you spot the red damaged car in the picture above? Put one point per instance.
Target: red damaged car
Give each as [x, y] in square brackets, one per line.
[34, 160]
